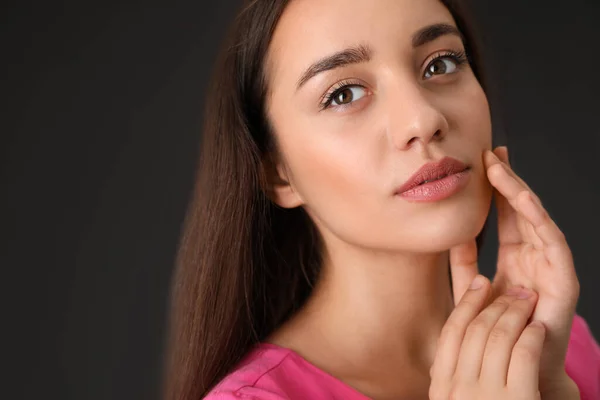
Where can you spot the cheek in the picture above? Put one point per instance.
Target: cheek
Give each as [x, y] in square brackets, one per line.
[477, 120]
[331, 173]
[338, 177]
[327, 164]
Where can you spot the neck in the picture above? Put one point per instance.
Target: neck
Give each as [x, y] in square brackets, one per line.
[374, 318]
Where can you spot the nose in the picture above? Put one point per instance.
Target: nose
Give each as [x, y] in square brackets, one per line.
[414, 118]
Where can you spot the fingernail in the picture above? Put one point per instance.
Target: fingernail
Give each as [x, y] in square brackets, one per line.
[477, 282]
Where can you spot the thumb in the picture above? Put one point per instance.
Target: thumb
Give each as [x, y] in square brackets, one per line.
[463, 267]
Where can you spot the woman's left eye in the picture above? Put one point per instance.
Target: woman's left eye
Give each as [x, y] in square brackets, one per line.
[445, 64]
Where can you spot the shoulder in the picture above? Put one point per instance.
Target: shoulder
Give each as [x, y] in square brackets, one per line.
[583, 359]
[270, 372]
[266, 373]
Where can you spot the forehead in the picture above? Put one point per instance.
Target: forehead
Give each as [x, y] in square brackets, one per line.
[311, 29]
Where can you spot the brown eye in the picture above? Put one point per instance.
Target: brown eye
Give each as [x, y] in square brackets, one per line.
[440, 66]
[344, 97]
[347, 95]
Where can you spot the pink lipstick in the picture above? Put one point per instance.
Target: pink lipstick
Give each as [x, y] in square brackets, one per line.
[435, 181]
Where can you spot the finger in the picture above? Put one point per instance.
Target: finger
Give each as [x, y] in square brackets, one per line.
[503, 183]
[509, 187]
[524, 368]
[543, 225]
[508, 230]
[452, 334]
[463, 268]
[502, 153]
[472, 350]
[501, 179]
[504, 335]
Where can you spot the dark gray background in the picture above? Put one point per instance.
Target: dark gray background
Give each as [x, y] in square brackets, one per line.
[101, 121]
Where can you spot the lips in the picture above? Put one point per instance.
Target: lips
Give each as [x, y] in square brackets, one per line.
[433, 171]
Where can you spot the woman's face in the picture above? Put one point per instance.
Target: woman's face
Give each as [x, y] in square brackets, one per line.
[394, 108]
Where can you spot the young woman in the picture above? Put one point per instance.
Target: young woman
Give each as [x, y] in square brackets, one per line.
[345, 169]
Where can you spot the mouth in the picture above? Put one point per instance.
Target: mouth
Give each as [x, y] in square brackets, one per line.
[435, 181]
[432, 172]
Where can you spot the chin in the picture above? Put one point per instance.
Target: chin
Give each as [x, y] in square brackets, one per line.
[444, 230]
[443, 240]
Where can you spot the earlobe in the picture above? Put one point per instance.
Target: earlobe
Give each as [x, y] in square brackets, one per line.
[279, 188]
[284, 195]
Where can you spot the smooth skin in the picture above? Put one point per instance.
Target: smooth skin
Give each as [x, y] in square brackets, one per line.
[533, 253]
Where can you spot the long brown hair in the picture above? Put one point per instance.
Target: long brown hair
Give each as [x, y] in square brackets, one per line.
[244, 265]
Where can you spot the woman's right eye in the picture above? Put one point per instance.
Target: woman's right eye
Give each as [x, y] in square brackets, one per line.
[344, 96]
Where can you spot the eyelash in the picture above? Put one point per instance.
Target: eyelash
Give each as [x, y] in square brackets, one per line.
[459, 57]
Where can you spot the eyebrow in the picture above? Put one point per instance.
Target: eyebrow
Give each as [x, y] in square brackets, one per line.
[363, 53]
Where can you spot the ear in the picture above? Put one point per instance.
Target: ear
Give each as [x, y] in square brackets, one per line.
[279, 188]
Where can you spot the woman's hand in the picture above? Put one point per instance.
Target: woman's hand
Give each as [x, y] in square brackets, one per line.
[491, 354]
[533, 253]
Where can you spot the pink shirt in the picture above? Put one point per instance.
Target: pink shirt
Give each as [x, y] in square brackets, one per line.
[270, 372]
